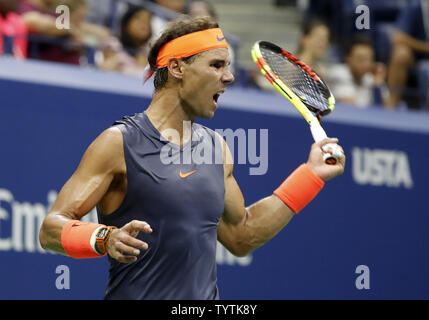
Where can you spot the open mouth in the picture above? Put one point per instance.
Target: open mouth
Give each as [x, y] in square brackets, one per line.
[216, 97]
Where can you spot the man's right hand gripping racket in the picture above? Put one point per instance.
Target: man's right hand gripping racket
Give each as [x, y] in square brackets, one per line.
[301, 86]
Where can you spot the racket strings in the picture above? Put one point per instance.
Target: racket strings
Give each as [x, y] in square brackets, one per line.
[312, 93]
[324, 90]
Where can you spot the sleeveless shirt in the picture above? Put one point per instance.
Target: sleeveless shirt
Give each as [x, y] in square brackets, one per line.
[179, 191]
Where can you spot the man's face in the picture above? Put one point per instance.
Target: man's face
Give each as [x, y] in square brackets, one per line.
[204, 79]
[360, 60]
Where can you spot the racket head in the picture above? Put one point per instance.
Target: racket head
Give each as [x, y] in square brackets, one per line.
[301, 85]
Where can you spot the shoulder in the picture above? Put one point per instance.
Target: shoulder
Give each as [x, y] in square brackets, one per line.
[106, 151]
[109, 142]
[112, 135]
[130, 120]
[129, 125]
[201, 129]
[216, 138]
[228, 160]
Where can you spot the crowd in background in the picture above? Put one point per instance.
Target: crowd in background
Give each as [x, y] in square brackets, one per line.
[117, 43]
[386, 64]
[361, 68]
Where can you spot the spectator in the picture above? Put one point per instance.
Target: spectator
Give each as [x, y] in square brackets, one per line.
[410, 44]
[136, 31]
[311, 49]
[40, 18]
[12, 25]
[313, 45]
[331, 11]
[360, 81]
[130, 55]
[158, 23]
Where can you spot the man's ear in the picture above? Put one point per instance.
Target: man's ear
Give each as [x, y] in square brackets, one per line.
[175, 68]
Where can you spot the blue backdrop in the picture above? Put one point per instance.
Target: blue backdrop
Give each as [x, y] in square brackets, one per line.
[374, 215]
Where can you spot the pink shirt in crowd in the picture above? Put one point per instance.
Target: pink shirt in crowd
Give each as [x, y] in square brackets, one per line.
[13, 26]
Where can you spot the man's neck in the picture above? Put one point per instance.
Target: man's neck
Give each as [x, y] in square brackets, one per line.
[166, 112]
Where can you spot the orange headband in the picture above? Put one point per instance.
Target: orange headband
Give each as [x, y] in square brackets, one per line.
[190, 44]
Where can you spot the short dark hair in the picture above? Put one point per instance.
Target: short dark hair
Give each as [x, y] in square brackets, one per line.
[176, 29]
[358, 40]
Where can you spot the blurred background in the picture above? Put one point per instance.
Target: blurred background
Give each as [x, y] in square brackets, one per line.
[70, 68]
[371, 53]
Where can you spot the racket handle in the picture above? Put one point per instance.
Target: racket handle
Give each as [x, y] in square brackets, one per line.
[336, 153]
[319, 134]
[317, 131]
[329, 159]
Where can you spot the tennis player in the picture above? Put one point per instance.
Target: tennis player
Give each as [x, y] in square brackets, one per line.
[159, 223]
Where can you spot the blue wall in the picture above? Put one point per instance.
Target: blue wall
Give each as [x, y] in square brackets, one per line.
[373, 215]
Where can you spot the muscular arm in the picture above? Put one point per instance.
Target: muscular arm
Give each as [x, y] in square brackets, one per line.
[101, 162]
[243, 229]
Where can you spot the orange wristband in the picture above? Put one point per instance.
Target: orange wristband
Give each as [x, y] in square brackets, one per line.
[76, 239]
[299, 188]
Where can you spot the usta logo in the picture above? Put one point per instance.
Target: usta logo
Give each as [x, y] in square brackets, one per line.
[379, 167]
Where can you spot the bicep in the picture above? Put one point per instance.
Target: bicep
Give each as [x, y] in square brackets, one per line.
[86, 187]
[81, 192]
[234, 213]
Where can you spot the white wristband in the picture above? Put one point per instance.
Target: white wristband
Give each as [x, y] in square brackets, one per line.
[92, 241]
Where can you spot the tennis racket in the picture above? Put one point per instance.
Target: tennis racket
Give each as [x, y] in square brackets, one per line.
[301, 86]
